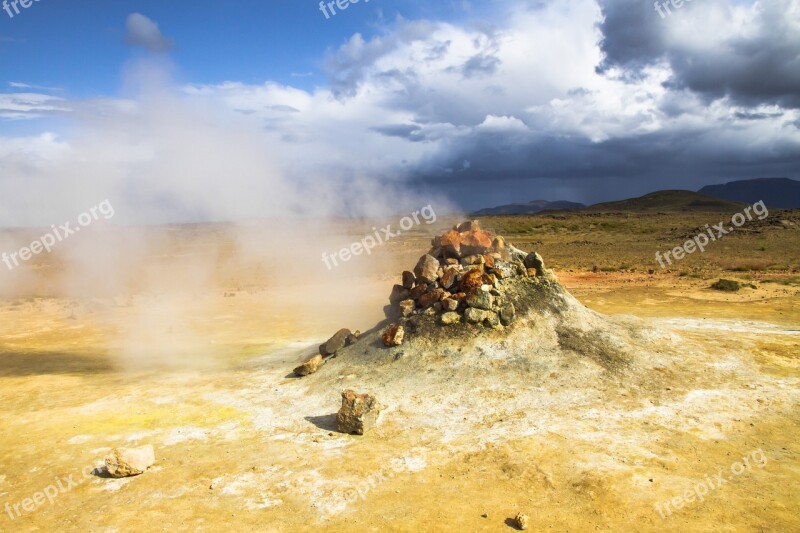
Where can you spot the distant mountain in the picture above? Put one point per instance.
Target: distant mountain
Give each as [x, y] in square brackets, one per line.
[530, 208]
[666, 201]
[782, 193]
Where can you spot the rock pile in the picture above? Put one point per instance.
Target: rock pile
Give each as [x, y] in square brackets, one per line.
[460, 280]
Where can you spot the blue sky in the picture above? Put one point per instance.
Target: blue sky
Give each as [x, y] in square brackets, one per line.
[81, 48]
[235, 109]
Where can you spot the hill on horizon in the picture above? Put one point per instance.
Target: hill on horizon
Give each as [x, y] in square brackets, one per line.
[669, 200]
[530, 208]
[783, 193]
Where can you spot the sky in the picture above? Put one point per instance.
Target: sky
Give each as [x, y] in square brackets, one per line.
[236, 109]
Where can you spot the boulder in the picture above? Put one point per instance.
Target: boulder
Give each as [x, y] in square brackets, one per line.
[352, 338]
[475, 242]
[310, 366]
[499, 244]
[451, 243]
[535, 261]
[474, 315]
[407, 308]
[418, 291]
[472, 225]
[391, 312]
[430, 298]
[481, 300]
[335, 343]
[408, 279]
[472, 281]
[472, 260]
[450, 318]
[399, 293]
[491, 319]
[449, 277]
[449, 304]
[504, 270]
[393, 335]
[427, 268]
[358, 414]
[126, 462]
[521, 521]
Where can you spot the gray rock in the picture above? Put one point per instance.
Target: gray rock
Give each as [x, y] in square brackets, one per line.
[491, 320]
[408, 279]
[474, 315]
[534, 260]
[504, 270]
[427, 269]
[481, 300]
[399, 293]
[508, 314]
[335, 343]
[449, 304]
[450, 318]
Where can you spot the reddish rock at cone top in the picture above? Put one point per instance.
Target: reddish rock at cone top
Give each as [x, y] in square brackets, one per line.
[358, 414]
[451, 243]
[393, 336]
[475, 242]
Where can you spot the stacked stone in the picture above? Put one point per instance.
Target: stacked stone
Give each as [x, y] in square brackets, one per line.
[460, 279]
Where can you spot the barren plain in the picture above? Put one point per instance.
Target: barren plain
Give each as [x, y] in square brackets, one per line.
[200, 367]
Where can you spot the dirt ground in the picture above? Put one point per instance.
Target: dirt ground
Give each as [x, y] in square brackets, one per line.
[242, 446]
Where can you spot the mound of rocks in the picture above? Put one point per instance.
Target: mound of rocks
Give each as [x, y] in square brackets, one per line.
[461, 280]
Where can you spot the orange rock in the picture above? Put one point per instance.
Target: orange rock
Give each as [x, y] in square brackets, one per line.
[475, 241]
[430, 298]
[393, 336]
[473, 280]
[451, 242]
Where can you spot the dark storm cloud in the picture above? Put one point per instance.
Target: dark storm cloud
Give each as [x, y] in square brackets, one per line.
[757, 66]
[410, 132]
[500, 163]
[632, 34]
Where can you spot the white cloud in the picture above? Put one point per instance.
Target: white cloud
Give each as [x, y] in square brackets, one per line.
[421, 99]
[143, 32]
